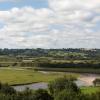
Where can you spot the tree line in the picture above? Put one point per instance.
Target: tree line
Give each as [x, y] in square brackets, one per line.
[64, 53]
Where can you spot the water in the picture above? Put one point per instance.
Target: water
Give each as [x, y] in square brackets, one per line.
[33, 86]
[42, 85]
[81, 83]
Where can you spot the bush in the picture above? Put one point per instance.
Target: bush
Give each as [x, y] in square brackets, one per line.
[62, 83]
[5, 88]
[42, 95]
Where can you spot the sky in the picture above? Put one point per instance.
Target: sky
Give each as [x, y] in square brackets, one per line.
[49, 23]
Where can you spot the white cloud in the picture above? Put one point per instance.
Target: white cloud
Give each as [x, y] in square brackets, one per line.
[73, 4]
[66, 23]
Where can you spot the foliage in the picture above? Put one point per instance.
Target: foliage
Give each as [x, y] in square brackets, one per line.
[96, 82]
[62, 83]
[68, 53]
[5, 88]
[69, 95]
[65, 94]
[42, 95]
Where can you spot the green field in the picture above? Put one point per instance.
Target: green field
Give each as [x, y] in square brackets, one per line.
[89, 90]
[24, 76]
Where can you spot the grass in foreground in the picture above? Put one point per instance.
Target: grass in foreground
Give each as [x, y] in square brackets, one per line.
[90, 90]
[18, 76]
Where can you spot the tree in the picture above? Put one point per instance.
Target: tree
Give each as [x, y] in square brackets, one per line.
[60, 84]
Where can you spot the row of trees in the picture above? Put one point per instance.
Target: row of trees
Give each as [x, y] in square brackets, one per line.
[56, 53]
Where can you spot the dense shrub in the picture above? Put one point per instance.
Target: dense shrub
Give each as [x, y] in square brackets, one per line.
[62, 83]
[42, 95]
[6, 89]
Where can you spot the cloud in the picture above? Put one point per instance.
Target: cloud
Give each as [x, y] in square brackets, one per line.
[10, 0]
[65, 23]
[25, 24]
[73, 4]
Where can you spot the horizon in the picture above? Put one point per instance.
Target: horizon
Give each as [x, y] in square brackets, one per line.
[49, 24]
[50, 48]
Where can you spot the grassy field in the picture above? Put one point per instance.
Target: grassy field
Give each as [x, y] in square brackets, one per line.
[24, 76]
[90, 90]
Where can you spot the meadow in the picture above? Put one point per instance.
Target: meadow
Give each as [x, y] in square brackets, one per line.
[90, 90]
[16, 76]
